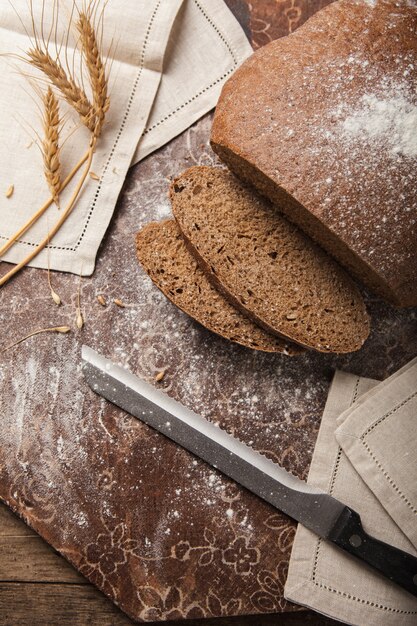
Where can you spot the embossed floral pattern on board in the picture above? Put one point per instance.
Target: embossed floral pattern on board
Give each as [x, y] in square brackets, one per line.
[241, 556]
[167, 604]
[270, 597]
[103, 557]
[105, 553]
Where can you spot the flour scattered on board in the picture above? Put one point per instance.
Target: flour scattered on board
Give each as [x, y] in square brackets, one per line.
[60, 447]
[392, 119]
[163, 211]
[81, 519]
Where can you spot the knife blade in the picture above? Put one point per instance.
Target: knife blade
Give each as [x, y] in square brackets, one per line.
[314, 508]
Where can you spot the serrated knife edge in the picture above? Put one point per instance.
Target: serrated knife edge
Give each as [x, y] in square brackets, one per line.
[221, 450]
[315, 509]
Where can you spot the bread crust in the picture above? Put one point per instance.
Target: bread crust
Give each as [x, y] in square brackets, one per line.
[293, 121]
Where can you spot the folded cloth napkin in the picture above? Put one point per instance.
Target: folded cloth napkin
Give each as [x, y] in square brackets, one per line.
[321, 576]
[380, 439]
[206, 47]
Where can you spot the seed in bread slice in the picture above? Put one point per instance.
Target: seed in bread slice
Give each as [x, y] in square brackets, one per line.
[265, 265]
[162, 252]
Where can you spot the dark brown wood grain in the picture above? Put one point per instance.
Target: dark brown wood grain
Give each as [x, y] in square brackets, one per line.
[30, 559]
[47, 605]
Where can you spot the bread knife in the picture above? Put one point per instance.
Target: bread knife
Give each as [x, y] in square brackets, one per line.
[313, 508]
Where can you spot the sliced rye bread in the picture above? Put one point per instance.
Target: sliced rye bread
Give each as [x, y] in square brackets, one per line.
[162, 252]
[265, 265]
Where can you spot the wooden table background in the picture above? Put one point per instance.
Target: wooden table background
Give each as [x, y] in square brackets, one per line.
[37, 586]
[40, 588]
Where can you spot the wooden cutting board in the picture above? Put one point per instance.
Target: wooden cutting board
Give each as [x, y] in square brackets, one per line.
[161, 533]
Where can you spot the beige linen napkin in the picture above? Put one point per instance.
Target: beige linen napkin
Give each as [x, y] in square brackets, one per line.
[207, 46]
[380, 440]
[321, 576]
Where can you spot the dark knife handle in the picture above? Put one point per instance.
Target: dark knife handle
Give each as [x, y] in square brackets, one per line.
[395, 564]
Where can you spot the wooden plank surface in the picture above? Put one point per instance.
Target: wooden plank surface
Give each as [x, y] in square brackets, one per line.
[39, 588]
[30, 559]
[12, 526]
[72, 605]
[46, 604]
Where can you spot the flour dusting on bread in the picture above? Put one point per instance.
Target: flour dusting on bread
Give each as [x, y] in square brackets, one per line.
[323, 123]
[391, 120]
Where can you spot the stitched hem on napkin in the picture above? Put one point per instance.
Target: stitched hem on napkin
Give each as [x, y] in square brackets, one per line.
[315, 564]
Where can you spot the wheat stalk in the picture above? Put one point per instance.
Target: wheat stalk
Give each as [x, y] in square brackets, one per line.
[50, 144]
[43, 208]
[92, 116]
[79, 318]
[96, 71]
[56, 329]
[55, 297]
[58, 224]
[73, 93]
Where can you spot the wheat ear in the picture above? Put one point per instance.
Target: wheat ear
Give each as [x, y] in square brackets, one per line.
[92, 116]
[50, 144]
[96, 71]
[73, 94]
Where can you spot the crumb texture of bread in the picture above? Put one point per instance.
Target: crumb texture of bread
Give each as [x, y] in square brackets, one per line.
[265, 265]
[162, 252]
[323, 122]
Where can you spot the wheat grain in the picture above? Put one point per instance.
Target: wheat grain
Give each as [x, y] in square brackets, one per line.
[55, 297]
[10, 191]
[96, 71]
[79, 320]
[50, 144]
[159, 376]
[73, 94]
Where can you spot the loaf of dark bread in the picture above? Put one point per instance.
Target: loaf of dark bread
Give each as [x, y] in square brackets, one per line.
[265, 265]
[324, 123]
[162, 253]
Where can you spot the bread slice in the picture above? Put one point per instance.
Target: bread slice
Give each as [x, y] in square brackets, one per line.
[162, 252]
[323, 123]
[264, 265]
